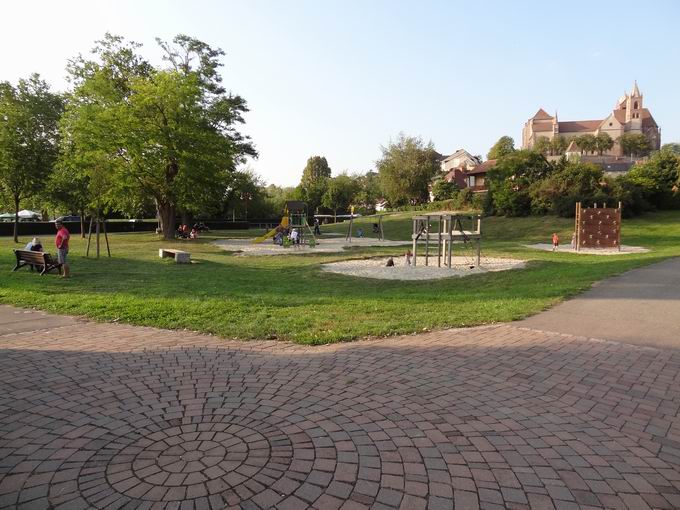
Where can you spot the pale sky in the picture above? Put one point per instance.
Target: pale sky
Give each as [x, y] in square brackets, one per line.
[340, 78]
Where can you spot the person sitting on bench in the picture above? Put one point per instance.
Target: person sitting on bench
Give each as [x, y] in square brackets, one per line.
[34, 245]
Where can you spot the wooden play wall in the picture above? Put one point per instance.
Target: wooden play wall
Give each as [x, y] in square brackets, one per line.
[598, 227]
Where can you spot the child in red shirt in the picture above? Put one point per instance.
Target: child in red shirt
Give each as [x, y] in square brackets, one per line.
[555, 241]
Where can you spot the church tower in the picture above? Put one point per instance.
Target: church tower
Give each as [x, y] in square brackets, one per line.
[633, 103]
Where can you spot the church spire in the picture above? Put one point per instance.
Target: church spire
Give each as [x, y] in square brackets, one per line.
[636, 90]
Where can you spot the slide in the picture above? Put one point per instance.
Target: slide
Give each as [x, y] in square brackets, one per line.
[272, 232]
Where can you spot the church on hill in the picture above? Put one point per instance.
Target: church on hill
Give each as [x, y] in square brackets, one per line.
[629, 116]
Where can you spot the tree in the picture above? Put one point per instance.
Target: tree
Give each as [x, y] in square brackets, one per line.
[165, 133]
[603, 143]
[504, 146]
[340, 193]
[657, 177]
[29, 137]
[558, 145]
[542, 145]
[587, 143]
[511, 179]
[69, 190]
[635, 144]
[569, 183]
[368, 191]
[444, 190]
[671, 147]
[406, 168]
[316, 168]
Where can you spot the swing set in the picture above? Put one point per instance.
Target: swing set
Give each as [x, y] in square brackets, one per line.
[377, 227]
[449, 231]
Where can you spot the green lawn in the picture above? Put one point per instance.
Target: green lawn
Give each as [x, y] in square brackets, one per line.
[288, 297]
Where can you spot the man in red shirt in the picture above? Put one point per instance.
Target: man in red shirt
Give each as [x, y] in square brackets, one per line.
[61, 242]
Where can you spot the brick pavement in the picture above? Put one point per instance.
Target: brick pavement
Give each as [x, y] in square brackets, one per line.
[114, 416]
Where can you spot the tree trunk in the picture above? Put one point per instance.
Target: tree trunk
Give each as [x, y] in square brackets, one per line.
[166, 213]
[82, 224]
[16, 219]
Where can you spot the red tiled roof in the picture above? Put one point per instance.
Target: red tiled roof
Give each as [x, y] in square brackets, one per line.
[483, 168]
[541, 114]
[542, 127]
[577, 126]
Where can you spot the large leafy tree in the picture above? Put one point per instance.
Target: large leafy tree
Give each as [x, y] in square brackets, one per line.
[406, 168]
[314, 182]
[603, 143]
[340, 193]
[542, 145]
[635, 144]
[671, 147]
[168, 133]
[29, 136]
[658, 178]
[587, 143]
[504, 146]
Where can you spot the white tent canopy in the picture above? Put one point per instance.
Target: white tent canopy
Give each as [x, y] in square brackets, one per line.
[25, 213]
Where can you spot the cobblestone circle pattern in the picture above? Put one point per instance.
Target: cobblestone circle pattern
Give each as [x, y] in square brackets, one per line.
[110, 416]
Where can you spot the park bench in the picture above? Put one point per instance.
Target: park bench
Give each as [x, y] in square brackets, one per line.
[36, 258]
[181, 257]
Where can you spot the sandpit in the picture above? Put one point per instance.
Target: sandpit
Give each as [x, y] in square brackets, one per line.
[324, 245]
[625, 250]
[376, 268]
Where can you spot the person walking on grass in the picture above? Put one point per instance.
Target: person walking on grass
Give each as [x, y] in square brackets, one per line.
[61, 241]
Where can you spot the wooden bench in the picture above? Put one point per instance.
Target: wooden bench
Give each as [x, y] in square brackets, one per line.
[181, 257]
[36, 258]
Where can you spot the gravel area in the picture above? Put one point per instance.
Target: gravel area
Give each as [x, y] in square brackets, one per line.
[324, 245]
[376, 268]
[589, 251]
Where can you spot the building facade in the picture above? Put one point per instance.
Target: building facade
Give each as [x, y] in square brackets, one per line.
[459, 159]
[629, 116]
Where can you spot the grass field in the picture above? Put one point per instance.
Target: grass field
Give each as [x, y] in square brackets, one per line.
[289, 297]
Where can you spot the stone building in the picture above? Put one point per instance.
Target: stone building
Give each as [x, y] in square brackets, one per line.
[629, 116]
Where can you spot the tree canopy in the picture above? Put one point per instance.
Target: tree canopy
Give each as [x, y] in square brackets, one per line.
[405, 170]
[29, 137]
[504, 146]
[635, 144]
[168, 133]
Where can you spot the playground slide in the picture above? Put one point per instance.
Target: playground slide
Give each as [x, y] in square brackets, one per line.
[262, 238]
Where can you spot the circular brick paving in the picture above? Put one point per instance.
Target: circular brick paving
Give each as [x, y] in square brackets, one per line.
[495, 418]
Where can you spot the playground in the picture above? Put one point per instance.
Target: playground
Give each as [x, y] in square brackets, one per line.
[294, 297]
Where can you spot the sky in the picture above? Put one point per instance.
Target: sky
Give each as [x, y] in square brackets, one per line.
[342, 78]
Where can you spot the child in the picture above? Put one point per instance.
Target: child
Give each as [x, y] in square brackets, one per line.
[555, 241]
[194, 233]
[573, 240]
[408, 257]
[390, 262]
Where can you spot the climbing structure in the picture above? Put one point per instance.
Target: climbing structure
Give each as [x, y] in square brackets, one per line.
[598, 227]
[294, 217]
[444, 230]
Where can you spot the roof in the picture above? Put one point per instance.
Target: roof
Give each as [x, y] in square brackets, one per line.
[573, 147]
[538, 128]
[460, 153]
[578, 126]
[483, 168]
[295, 205]
[541, 114]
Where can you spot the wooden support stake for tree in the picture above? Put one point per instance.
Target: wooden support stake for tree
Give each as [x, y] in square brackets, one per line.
[415, 242]
[427, 241]
[106, 237]
[89, 239]
[97, 227]
[450, 239]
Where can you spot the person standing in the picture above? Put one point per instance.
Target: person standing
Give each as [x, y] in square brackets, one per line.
[61, 241]
[555, 241]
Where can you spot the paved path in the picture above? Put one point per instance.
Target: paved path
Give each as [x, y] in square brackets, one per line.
[641, 307]
[115, 416]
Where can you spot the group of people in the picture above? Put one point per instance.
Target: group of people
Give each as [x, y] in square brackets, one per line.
[61, 242]
[292, 234]
[183, 232]
[556, 241]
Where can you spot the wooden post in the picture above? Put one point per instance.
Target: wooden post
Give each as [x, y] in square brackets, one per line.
[439, 243]
[578, 226]
[427, 240]
[415, 242]
[106, 237]
[450, 230]
[97, 227]
[89, 239]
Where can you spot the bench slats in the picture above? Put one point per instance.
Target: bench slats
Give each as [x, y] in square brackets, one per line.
[36, 258]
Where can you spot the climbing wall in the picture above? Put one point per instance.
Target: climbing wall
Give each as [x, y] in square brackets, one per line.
[598, 227]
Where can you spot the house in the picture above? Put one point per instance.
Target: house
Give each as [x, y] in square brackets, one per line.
[473, 178]
[381, 205]
[459, 159]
